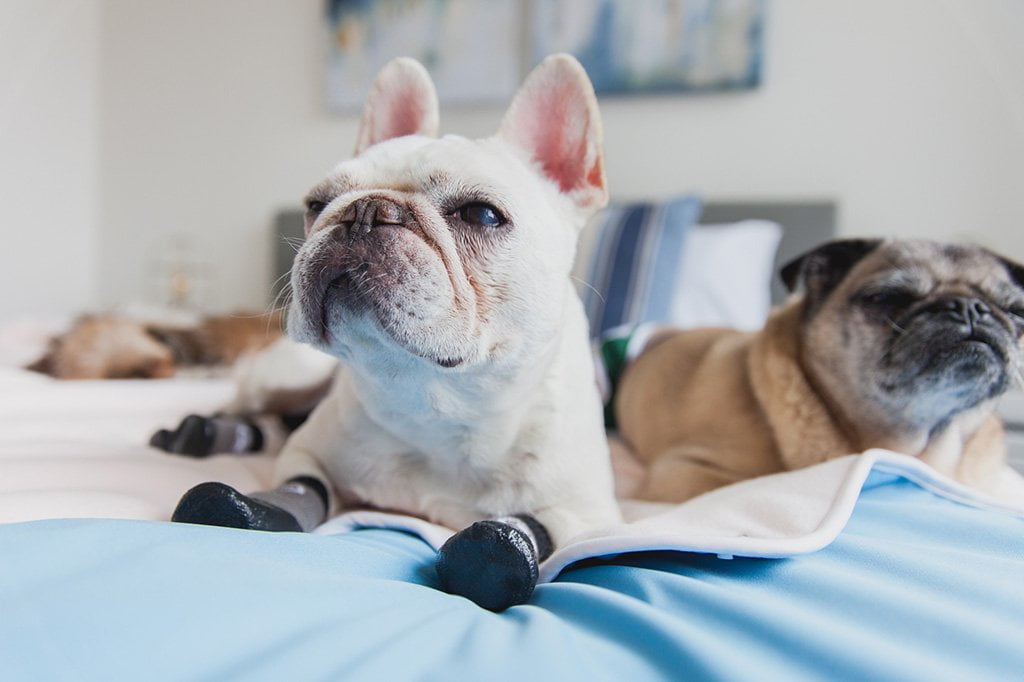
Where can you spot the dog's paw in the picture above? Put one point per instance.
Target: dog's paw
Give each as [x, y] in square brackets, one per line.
[217, 504]
[492, 563]
[198, 436]
[195, 436]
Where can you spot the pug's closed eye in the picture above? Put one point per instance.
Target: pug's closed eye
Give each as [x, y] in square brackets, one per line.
[885, 300]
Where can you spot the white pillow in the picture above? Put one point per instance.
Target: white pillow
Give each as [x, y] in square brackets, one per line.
[725, 275]
[652, 262]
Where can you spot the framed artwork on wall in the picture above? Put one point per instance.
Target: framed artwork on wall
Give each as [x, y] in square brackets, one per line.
[472, 48]
[645, 46]
[477, 51]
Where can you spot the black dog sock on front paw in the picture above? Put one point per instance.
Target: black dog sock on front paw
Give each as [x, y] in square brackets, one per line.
[217, 504]
[534, 530]
[494, 562]
[298, 505]
[305, 498]
[199, 436]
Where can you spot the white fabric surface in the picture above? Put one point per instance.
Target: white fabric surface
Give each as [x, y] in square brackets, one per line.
[725, 275]
[76, 449]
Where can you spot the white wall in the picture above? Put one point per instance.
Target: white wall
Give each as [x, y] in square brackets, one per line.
[48, 155]
[212, 121]
[910, 114]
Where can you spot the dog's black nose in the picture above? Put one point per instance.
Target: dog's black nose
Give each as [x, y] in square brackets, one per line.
[362, 215]
[966, 310]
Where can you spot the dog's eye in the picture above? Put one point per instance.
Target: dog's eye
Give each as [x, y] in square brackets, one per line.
[888, 298]
[481, 215]
[315, 206]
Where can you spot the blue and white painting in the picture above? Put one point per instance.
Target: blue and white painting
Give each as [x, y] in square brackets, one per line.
[472, 48]
[642, 46]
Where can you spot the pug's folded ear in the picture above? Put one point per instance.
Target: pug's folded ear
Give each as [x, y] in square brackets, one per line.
[1015, 270]
[820, 270]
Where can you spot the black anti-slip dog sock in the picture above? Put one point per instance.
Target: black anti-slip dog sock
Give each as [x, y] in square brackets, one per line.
[305, 498]
[494, 563]
[218, 504]
[537, 533]
[298, 505]
[198, 436]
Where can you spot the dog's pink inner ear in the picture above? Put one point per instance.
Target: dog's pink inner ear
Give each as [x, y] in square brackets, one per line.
[402, 102]
[554, 117]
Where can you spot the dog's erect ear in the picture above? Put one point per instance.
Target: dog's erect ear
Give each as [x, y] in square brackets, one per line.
[402, 101]
[554, 118]
[820, 270]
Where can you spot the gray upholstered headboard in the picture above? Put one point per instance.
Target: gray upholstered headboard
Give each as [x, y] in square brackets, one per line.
[805, 225]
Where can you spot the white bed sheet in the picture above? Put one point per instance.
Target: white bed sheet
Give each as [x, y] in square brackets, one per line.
[78, 449]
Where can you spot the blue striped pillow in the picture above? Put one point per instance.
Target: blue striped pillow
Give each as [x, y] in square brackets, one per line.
[629, 261]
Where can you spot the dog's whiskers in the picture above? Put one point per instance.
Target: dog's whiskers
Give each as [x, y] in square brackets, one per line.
[287, 281]
[589, 286]
[892, 323]
[284, 294]
[294, 242]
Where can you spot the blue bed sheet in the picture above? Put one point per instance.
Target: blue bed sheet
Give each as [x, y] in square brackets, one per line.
[916, 587]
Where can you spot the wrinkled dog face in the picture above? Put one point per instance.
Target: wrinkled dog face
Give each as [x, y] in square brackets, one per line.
[930, 330]
[410, 238]
[453, 250]
[949, 323]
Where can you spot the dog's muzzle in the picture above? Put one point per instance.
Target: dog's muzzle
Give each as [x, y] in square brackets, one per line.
[968, 312]
[367, 213]
[967, 319]
[354, 241]
[955, 340]
[369, 256]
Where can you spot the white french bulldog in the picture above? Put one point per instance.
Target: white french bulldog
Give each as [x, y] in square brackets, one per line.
[437, 271]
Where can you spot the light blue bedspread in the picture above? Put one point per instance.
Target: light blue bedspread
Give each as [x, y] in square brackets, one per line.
[917, 587]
